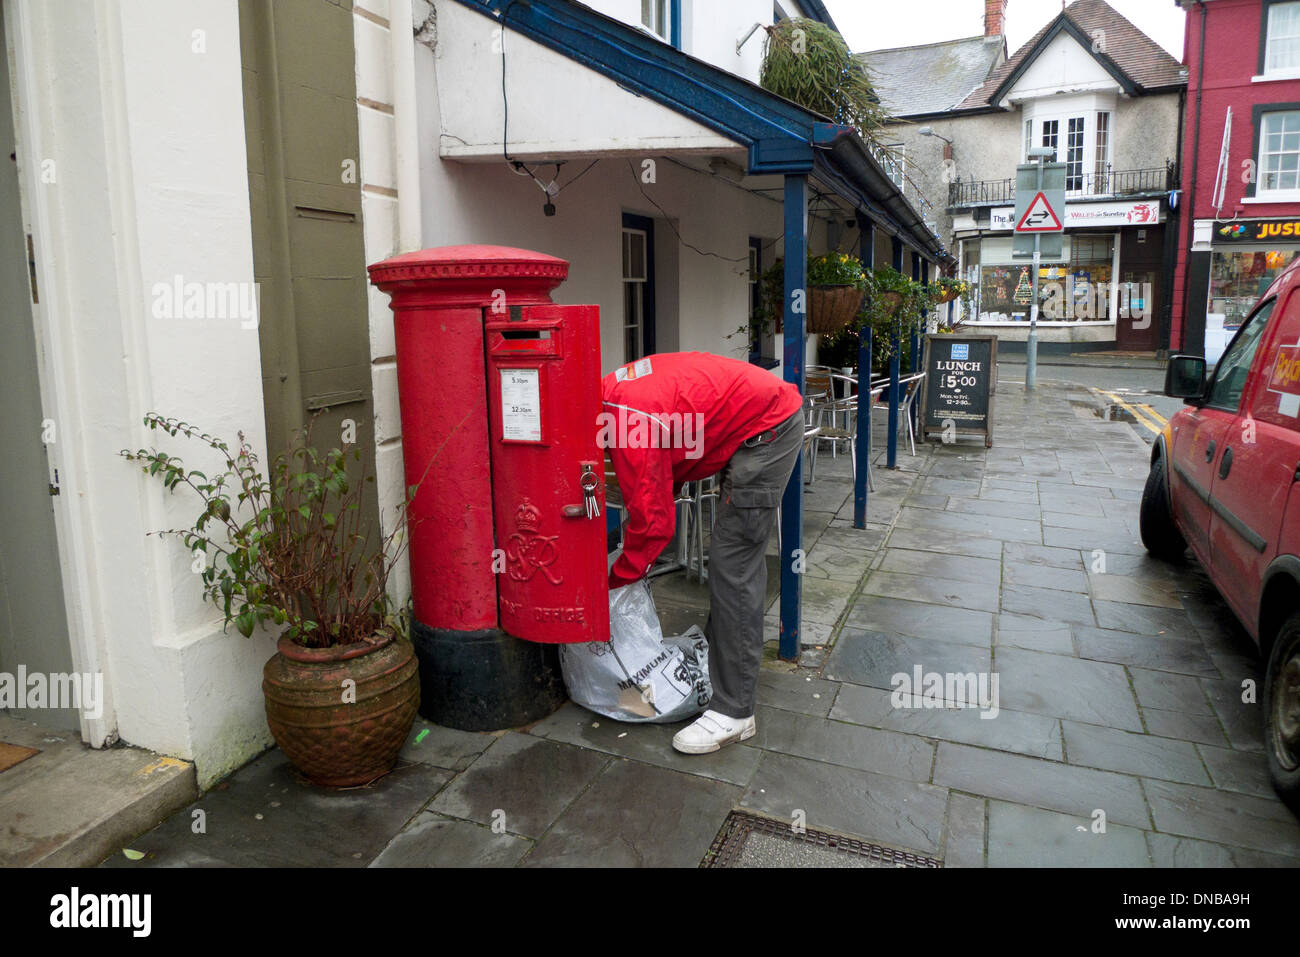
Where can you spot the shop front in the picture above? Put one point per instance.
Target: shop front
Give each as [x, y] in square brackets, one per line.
[1245, 257]
[1100, 291]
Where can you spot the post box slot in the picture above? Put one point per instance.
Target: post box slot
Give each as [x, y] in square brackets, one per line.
[526, 333]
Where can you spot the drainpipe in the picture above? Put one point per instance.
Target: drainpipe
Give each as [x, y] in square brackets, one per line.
[406, 138]
[1191, 188]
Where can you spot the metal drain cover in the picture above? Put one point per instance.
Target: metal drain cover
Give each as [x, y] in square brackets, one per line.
[747, 840]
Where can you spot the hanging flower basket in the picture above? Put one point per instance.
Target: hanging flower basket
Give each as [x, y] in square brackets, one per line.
[889, 302]
[947, 295]
[831, 308]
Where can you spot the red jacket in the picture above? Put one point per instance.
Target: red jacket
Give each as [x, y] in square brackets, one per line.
[677, 417]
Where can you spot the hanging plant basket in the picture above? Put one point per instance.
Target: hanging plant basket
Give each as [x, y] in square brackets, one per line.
[889, 302]
[947, 295]
[831, 308]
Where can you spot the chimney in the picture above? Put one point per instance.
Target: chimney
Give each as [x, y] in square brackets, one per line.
[995, 16]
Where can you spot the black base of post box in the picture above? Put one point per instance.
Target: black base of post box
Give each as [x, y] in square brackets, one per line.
[485, 680]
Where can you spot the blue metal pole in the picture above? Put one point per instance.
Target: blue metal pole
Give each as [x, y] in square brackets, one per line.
[917, 269]
[867, 253]
[895, 347]
[796, 281]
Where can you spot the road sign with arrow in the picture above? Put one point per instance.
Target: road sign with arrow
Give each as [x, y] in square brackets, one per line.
[1040, 217]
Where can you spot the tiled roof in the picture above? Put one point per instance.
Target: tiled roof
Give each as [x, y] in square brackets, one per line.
[934, 77]
[1135, 54]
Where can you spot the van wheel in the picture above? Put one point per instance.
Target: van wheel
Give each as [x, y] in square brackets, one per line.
[1160, 535]
[1282, 713]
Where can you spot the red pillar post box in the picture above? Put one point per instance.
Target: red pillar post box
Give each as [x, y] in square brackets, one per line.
[499, 391]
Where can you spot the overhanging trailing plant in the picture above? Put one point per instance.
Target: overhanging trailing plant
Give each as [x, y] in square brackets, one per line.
[809, 63]
[288, 548]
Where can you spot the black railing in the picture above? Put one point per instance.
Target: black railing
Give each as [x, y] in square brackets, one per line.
[1107, 182]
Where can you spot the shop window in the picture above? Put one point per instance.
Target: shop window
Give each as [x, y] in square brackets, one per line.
[1279, 152]
[1091, 265]
[1283, 44]
[1237, 280]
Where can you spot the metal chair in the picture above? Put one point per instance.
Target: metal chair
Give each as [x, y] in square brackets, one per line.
[909, 387]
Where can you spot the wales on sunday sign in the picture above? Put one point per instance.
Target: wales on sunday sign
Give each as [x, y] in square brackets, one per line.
[960, 381]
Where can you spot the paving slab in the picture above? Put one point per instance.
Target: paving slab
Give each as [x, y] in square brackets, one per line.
[635, 815]
[522, 784]
[1093, 692]
[430, 743]
[835, 742]
[1168, 692]
[1243, 721]
[1027, 554]
[932, 565]
[903, 814]
[874, 658]
[1244, 771]
[1170, 850]
[1031, 734]
[1224, 817]
[1200, 728]
[801, 693]
[1153, 652]
[936, 590]
[965, 837]
[977, 546]
[1144, 620]
[921, 620]
[1021, 836]
[1033, 634]
[432, 840]
[1047, 603]
[1046, 784]
[1045, 576]
[267, 815]
[1111, 749]
[647, 743]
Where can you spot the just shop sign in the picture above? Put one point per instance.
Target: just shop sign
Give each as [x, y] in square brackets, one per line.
[1081, 215]
[1257, 230]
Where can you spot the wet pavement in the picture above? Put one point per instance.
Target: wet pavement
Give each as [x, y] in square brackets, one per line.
[1115, 734]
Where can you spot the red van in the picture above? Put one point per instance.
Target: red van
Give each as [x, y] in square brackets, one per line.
[1223, 482]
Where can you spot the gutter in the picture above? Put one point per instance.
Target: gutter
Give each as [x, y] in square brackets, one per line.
[846, 151]
[406, 137]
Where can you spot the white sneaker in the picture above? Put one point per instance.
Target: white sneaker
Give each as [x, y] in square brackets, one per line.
[711, 731]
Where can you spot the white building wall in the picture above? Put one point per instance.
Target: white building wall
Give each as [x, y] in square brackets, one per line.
[140, 108]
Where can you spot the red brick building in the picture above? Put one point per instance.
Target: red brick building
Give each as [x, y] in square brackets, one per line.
[1241, 164]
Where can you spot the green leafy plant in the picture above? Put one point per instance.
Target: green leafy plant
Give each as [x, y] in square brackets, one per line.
[893, 305]
[836, 269]
[949, 288]
[809, 63]
[286, 548]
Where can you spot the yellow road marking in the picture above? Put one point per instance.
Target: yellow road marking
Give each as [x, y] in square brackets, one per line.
[1139, 416]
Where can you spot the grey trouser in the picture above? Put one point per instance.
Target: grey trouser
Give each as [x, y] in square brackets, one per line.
[752, 485]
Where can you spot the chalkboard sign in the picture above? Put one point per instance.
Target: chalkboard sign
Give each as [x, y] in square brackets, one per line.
[961, 378]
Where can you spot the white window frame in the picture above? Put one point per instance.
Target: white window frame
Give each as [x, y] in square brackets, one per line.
[658, 12]
[636, 322]
[1271, 35]
[1278, 194]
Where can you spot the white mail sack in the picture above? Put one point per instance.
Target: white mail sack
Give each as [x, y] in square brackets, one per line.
[639, 675]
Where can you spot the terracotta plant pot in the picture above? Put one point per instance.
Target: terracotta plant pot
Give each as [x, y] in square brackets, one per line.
[337, 733]
[831, 308]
